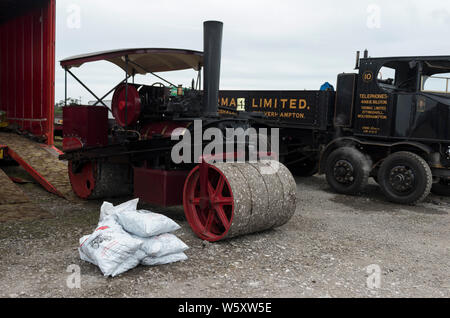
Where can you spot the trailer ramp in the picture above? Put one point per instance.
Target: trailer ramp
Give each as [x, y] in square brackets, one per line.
[41, 162]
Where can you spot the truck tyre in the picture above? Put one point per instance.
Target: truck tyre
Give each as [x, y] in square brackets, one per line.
[441, 188]
[405, 178]
[347, 170]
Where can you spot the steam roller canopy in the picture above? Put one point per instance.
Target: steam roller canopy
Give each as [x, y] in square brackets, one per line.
[240, 198]
[94, 180]
[126, 114]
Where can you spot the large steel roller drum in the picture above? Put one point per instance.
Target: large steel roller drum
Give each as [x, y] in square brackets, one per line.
[224, 200]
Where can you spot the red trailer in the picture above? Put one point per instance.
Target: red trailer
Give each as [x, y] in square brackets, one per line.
[27, 76]
[27, 65]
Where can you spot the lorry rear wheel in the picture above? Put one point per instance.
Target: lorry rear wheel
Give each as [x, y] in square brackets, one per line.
[347, 170]
[405, 178]
[442, 187]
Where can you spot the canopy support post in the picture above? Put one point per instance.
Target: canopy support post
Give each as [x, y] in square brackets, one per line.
[65, 86]
[87, 88]
[162, 79]
[109, 92]
[126, 91]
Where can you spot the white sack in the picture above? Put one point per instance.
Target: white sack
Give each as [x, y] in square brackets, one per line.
[149, 261]
[129, 263]
[162, 245]
[83, 256]
[145, 223]
[108, 209]
[109, 248]
[111, 223]
[115, 251]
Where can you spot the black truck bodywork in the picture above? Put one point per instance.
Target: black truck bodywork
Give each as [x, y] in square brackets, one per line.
[374, 115]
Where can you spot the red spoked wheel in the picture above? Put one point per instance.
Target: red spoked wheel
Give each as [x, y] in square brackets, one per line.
[208, 202]
[83, 181]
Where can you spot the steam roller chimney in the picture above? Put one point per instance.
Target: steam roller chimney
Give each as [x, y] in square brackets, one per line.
[212, 52]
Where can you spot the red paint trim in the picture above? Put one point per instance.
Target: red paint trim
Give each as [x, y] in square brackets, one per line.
[163, 128]
[39, 178]
[72, 143]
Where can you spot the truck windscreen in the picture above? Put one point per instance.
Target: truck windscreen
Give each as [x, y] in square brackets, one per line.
[436, 83]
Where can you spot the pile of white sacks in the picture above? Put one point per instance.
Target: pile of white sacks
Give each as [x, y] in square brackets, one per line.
[126, 237]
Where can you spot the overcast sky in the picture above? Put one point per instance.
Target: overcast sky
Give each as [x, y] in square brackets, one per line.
[289, 45]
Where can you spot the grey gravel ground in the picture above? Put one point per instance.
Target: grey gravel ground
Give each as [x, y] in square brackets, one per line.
[324, 251]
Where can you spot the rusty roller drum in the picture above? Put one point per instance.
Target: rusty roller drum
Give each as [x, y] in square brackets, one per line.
[97, 180]
[224, 200]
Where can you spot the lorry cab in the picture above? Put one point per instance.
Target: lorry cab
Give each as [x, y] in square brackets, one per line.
[393, 124]
[404, 97]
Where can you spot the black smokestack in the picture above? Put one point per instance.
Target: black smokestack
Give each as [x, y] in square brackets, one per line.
[366, 53]
[212, 52]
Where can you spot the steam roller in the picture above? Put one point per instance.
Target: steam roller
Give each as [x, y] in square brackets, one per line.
[132, 153]
[224, 200]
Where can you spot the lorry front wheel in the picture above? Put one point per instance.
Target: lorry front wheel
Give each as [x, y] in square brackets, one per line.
[347, 170]
[405, 178]
[442, 187]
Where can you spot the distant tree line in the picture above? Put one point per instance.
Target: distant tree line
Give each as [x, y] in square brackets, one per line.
[70, 101]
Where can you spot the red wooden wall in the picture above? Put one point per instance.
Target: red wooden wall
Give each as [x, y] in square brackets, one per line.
[27, 69]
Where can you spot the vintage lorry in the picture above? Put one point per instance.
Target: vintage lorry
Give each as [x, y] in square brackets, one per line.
[389, 121]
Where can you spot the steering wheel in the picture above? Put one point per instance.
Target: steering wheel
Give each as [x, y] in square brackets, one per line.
[158, 84]
[402, 84]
